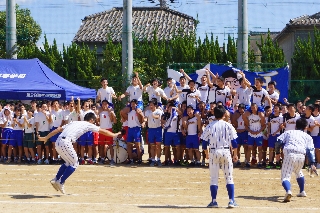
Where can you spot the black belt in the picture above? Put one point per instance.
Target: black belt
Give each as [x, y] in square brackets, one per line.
[221, 148]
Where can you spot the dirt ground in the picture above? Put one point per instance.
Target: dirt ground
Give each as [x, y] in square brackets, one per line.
[100, 188]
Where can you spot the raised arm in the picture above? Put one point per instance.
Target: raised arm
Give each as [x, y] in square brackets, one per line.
[186, 75]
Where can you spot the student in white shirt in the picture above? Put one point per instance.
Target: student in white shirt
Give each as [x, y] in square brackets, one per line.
[178, 89]
[135, 120]
[28, 141]
[7, 129]
[43, 120]
[134, 91]
[17, 139]
[57, 121]
[106, 92]
[155, 91]
[170, 92]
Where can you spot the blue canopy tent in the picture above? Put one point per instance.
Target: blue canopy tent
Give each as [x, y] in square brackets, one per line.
[28, 79]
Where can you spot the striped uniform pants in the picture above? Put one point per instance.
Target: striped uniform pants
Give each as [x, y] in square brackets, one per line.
[66, 151]
[292, 162]
[220, 159]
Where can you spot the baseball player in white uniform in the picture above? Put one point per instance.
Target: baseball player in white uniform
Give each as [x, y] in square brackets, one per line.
[296, 144]
[70, 133]
[221, 136]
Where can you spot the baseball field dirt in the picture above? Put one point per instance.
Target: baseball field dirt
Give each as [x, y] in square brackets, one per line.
[100, 188]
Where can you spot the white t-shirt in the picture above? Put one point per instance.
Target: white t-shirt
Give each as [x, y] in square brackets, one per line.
[274, 96]
[75, 129]
[83, 113]
[182, 95]
[289, 121]
[192, 126]
[167, 91]
[254, 125]
[44, 124]
[57, 117]
[315, 131]
[191, 100]
[243, 96]
[219, 134]
[70, 116]
[204, 90]
[16, 126]
[133, 120]
[310, 121]
[275, 122]
[135, 92]
[152, 93]
[29, 129]
[153, 122]
[240, 122]
[105, 121]
[106, 94]
[9, 123]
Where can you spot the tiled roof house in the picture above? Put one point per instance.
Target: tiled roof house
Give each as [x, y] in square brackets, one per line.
[95, 29]
[299, 27]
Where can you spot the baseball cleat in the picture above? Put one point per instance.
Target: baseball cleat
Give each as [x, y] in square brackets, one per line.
[54, 184]
[232, 204]
[60, 187]
[152, 163]
[302, 194]
[287, 197]
[213, 205]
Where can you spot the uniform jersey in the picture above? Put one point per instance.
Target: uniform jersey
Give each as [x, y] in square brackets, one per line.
[44, 124]
[135, 92]
[204, 91]
[70, 116]
[28, 129]
[219, 134]
[315, 131]
[192, 125]
[191, 100]
[57, 117]
[106, 94]
[274, 96]
[172, 124]
[133, 120]
[310, 121]
[167, 92]
[153, 122]
[75, 129]
[243, 96]
[275, 122]
[9, 121]
[297, 141]
[105, 121]
[254, 125]
[289, 121]
[217, 94]
[258, 95]
[182, 95]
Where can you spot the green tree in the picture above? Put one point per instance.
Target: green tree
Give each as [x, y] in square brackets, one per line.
[271, 53]
[28, 31]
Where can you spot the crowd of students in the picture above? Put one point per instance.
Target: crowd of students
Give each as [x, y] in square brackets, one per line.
[172, 129]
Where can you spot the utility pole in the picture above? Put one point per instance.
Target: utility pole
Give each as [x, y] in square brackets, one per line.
[243, 33]
[11, 24]
[127, 43]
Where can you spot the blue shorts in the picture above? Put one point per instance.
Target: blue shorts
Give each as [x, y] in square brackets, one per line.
[17, 138]
[242, 138]
[134, 134]
[204, 144]
[194, 112]
[260, 109]
[86, 139]
[192, 142]
[6, 135]
[55, 137]
[155, 135]
[172, 139]
[139, 105]
[252, 140]
[182, 139]
[272, 141]
[316, 141]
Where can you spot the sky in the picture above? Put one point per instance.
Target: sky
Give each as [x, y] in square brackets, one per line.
[61, 19]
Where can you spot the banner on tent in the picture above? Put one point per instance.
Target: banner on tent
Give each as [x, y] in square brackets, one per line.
[230, 74]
